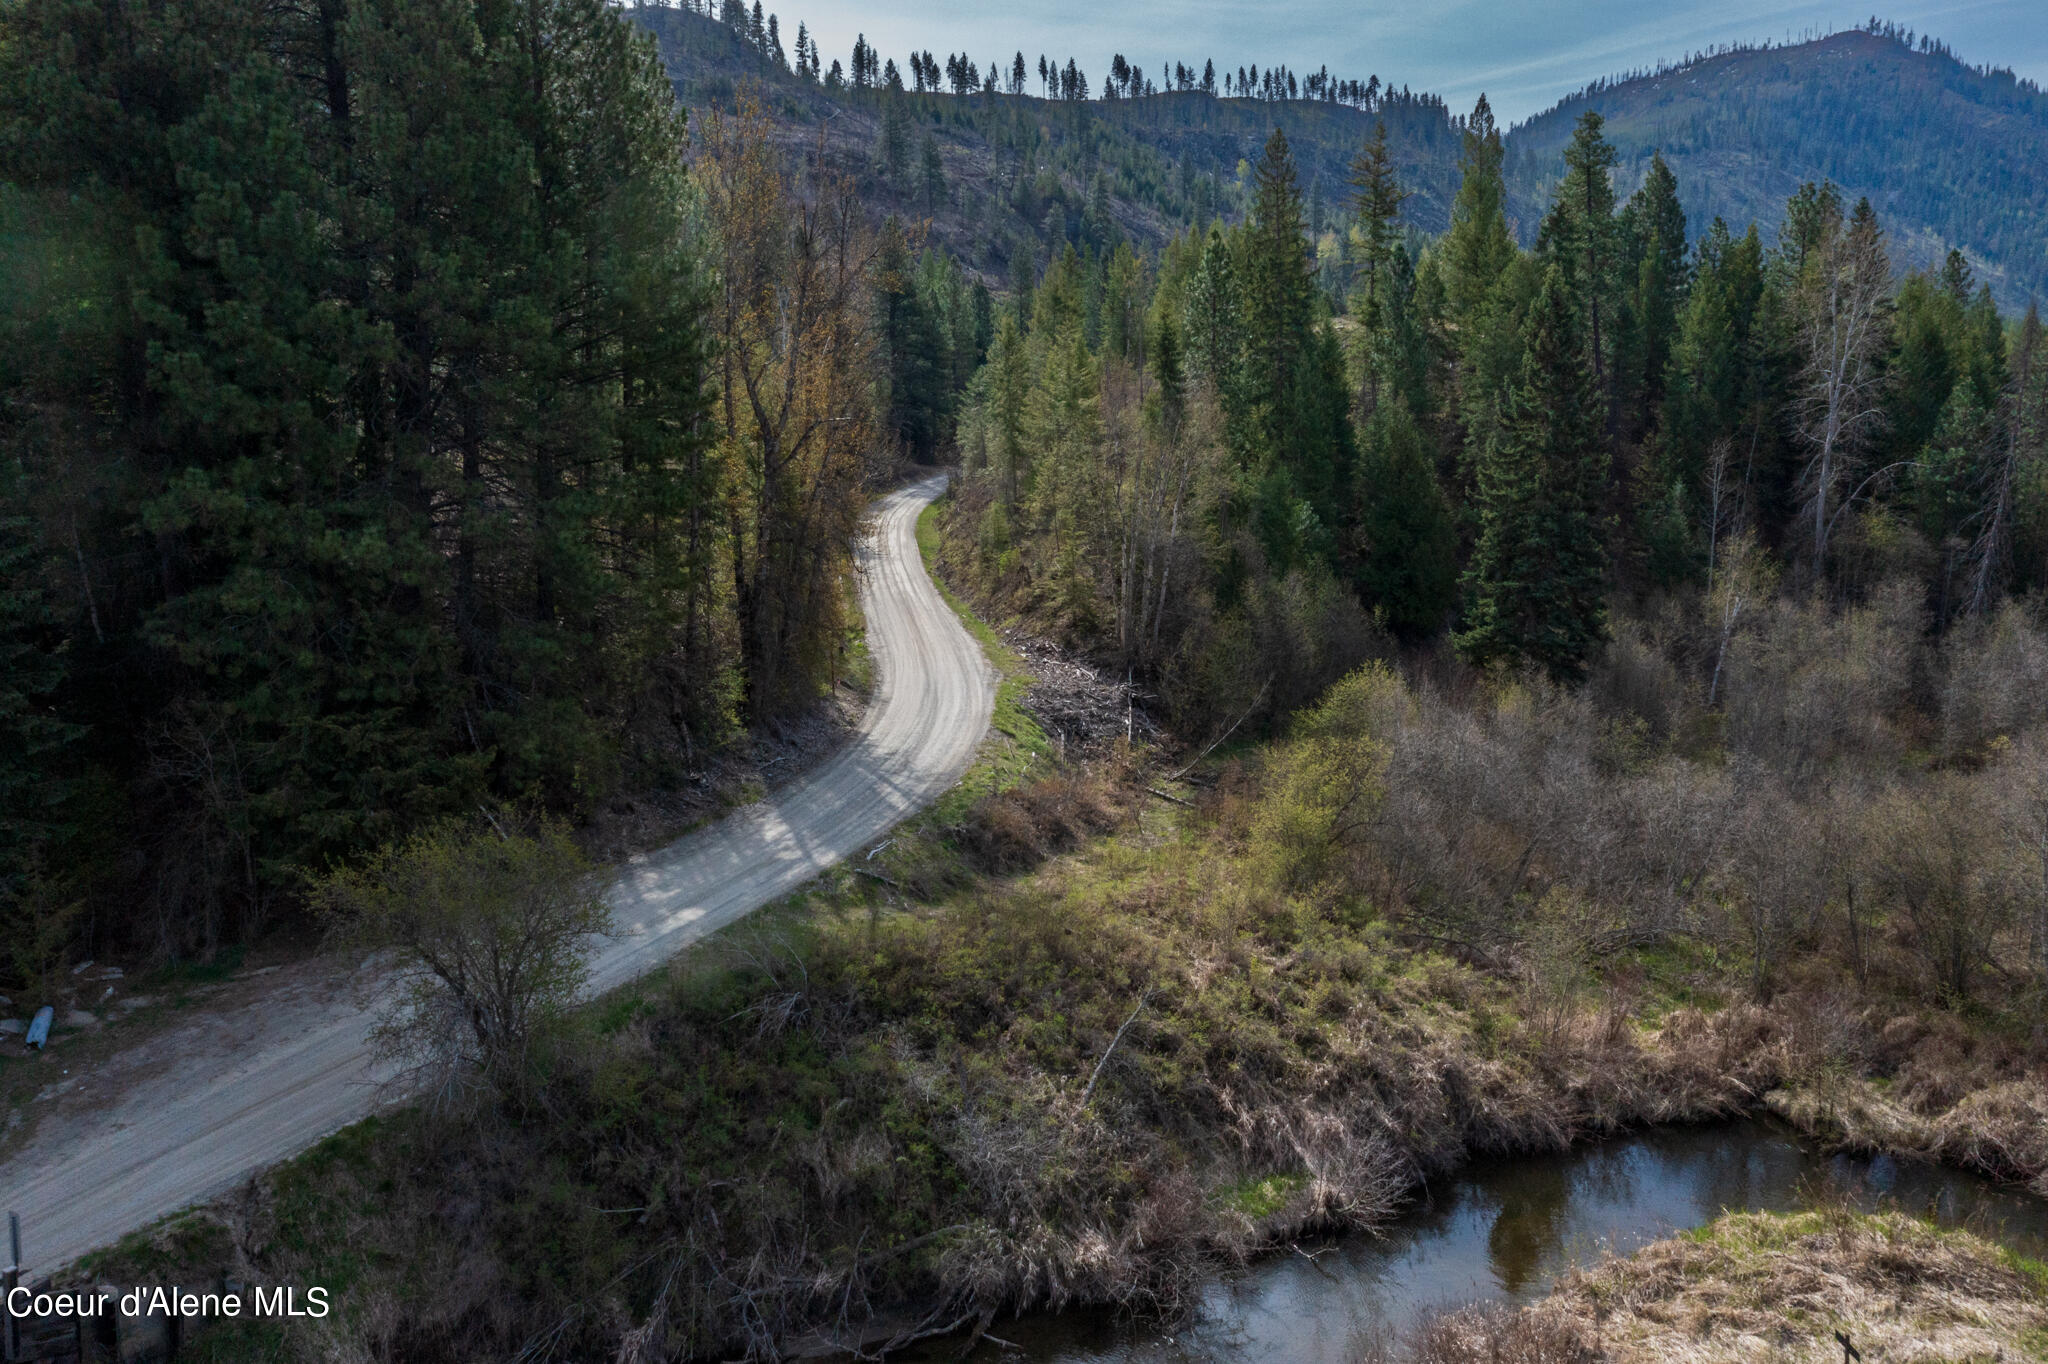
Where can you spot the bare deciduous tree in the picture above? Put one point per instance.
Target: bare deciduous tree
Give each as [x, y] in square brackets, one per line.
[1841, 309]
[1744, 581]
[793, 314]
[1933, 854]
[2025, 788]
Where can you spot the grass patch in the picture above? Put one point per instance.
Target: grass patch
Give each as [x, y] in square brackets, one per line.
[1898, 1286]
[186, 974]
[1678, 973]
[1261, 1198]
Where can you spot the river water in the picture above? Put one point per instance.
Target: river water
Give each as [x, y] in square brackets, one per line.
[1504, 1230]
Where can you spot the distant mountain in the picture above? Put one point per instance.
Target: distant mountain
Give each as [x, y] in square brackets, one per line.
[1951, 155]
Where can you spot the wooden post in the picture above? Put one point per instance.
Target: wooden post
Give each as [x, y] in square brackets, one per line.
[10, 1347]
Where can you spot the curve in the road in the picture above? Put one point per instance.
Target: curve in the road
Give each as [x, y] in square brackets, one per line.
[934, 696]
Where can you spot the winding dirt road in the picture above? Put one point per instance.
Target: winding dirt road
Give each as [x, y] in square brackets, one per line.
[252, 1087]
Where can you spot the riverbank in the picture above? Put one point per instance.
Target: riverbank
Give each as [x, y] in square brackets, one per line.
[1787, 1287]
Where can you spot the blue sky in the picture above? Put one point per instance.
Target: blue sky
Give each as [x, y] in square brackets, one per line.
[1523, 55]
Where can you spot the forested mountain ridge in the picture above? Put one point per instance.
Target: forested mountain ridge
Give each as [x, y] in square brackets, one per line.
[985, 173]
[1948, 154]
[1952, 155]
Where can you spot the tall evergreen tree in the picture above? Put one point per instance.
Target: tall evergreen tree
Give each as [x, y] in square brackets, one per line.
[412, 416]
[1278, 290]
[1579, 235]
[911, 347]
[1377, 197]
[1213, 322]
[1406, 542]
[1536, 582]
[1657, 296]
[1477, 248]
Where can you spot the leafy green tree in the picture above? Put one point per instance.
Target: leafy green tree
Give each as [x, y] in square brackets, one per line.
[492, 928]
[1536, 582]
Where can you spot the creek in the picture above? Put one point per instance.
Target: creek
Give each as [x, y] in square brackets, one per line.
[1503, 1230]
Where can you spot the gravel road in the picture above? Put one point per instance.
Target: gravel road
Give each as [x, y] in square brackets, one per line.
[201, 1108]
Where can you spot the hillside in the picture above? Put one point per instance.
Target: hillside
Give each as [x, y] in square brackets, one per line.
[1019, 168]
[1951, 155]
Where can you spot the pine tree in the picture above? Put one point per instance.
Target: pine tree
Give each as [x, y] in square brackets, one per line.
[1477, 248]
[417, 442]
[894, 151]
[1122, 308]
[933, 174]
[1535, 585]
[1063, 422]
[1212, 324]
[32, 735]
[917, 389]
[1277, 289]
[1377, 197]
[1406, 543]
[1659, 291]
[1008, 389]
[1579, 236]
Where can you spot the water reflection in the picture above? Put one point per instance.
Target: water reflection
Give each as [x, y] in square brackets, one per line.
[1504, 1230]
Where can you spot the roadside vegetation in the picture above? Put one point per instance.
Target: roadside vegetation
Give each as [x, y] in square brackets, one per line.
[1109, 1044]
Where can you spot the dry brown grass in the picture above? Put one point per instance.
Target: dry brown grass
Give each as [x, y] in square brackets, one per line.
[1760, 1286]
[1012, 830]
